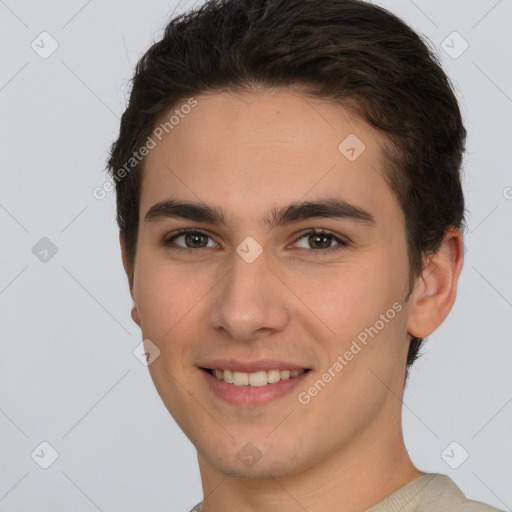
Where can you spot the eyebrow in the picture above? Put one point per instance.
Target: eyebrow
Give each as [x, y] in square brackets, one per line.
[294, 212]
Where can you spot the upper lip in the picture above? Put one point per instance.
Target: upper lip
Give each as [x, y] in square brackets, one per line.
[251, 366]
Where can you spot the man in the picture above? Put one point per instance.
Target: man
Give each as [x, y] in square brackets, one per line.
[291, 216]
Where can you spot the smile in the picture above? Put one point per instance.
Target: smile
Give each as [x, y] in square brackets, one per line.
[258, 378]
[252, 389]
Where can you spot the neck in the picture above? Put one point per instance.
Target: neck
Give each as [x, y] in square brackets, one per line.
[352, 479]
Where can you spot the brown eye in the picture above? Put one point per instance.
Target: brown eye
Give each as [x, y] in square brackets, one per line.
[320, 241]
[189, 240]
[195, 240]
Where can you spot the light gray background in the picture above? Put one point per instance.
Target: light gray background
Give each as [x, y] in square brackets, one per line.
[67, 372]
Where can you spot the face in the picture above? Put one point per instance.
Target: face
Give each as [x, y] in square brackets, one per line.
[265, 283]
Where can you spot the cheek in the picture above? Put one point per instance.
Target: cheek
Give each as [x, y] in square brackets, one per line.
[349, 298]
[166, 299]
[360, 304]
[164, 295]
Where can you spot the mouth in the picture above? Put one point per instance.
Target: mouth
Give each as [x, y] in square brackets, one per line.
[256, 379]
[253, 382]
[253, 389]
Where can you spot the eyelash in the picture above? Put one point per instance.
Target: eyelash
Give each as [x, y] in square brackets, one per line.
[192, 231]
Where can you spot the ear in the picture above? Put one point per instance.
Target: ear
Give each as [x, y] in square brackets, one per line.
[128, 268]
[436, 288]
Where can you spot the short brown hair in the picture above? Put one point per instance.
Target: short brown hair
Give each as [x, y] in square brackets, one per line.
[351, 52]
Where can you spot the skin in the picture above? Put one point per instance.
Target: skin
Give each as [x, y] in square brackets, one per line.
[247, 154]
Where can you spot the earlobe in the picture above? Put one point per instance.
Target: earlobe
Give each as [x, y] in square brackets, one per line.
[136, 316]
[437, 286]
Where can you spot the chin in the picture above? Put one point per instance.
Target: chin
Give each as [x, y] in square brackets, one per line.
[266, 468]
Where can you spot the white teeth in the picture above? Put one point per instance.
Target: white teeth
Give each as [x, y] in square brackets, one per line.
[228, 376]
[258, 378]
[240, 378]
[261, 378]
[273, 376]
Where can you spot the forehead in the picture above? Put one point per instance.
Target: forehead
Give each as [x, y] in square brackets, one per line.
[246, 153]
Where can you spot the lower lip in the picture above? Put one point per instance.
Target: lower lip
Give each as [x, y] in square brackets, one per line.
[252, 395]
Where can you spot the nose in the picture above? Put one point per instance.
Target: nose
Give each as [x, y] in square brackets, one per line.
[251, 301]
